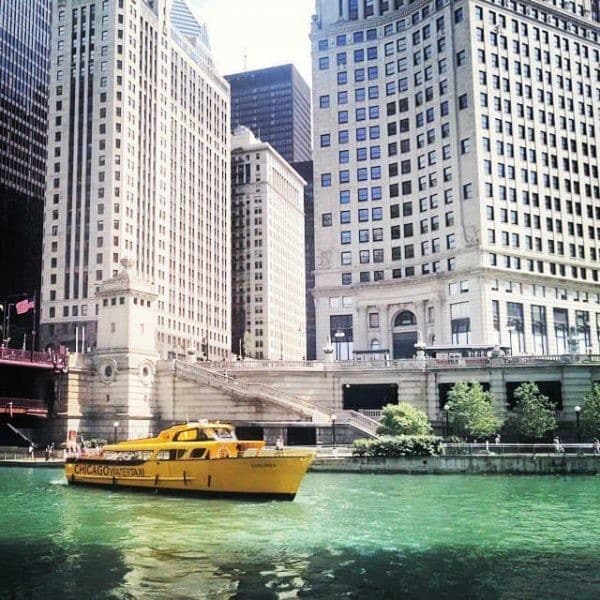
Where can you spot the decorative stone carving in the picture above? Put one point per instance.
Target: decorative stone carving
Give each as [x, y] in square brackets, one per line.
[108, 371]
[471, 236]
[324, 258]
[146, 372]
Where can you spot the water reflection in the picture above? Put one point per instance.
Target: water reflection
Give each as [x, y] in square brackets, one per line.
[347, 536]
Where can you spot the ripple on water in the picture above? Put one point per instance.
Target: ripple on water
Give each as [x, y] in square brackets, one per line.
[344, 536]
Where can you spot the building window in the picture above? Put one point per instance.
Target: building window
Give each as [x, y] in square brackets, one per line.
[373, 320]
[515, 326]
[460, 323]
[561, 330]
[539, 329]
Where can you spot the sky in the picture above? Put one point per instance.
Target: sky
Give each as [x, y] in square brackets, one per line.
[268, 32]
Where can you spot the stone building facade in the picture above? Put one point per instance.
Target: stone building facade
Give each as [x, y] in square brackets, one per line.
[139, 169]
[456, 175]
[268, 275]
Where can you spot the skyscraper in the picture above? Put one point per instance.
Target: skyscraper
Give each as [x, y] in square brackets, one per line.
[274, 103]
[268, 252]
[456, 175]
[24, 49]
[305, 170]
[139, 139]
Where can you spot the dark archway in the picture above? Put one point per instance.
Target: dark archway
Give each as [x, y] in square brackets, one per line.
[405, 319]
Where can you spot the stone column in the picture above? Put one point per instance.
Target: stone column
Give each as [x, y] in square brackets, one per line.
[442, 322]
[552, 344]
[361, 10]
[422, 322]
[361, 339]
[386, 326]
[345, 10]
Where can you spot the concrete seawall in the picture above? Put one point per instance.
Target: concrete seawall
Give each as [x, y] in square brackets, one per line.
[467, 465]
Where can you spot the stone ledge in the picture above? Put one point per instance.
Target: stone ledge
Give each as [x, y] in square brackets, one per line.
[523, 464]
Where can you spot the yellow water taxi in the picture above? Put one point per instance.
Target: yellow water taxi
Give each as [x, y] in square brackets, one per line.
[198, 458]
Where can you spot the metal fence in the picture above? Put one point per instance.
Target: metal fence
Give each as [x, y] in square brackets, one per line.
[512, 449]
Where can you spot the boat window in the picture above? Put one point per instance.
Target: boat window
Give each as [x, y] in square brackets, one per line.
[127, 455]
[198, 453]
[142, 454]
[225, 434]
[189, 435]
[162, 455]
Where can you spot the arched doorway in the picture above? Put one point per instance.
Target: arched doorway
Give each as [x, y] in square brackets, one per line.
[405, 334]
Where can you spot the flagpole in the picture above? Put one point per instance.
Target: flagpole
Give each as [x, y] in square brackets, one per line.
[33, 332]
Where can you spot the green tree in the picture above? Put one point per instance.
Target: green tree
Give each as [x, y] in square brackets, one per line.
[590, 413]
[533, 415]
[403, 419]
[471, 412]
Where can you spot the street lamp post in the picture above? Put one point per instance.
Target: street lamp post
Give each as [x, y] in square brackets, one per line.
[446, 420]
[333, 420]
[115, 427]
[577, 412]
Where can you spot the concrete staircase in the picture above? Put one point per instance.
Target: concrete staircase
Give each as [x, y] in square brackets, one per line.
[250, 391]
[362, 423]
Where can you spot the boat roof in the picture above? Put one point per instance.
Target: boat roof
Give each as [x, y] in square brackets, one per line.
[169, 434]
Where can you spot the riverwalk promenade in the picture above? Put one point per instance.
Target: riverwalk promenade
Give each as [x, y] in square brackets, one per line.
[465, 459]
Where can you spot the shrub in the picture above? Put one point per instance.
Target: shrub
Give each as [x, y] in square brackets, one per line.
[403, 419]
[402, 445]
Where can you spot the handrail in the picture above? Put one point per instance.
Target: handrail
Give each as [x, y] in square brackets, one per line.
[371, 413]
[407, 363]
[362, 422]
[55, 360]
[237, 387]
[518, 448]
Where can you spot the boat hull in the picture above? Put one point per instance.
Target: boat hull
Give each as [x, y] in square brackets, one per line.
[274, 476]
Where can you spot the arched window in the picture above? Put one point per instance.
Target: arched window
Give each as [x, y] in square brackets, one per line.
[375, 345]
[405, 318]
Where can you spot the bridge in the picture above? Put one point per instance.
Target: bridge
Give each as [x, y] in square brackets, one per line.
[23, 407]
[56, 360]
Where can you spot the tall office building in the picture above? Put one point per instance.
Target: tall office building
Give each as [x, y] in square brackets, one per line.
[456, 174]
[24, 49]
[305, 170]
[275, 104]
[268, 252]
[139, 170]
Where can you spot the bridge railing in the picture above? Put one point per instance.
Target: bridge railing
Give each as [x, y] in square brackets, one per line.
[54, 360]
[23, 406]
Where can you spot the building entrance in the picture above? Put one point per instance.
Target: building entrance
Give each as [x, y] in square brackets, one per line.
[404, 344]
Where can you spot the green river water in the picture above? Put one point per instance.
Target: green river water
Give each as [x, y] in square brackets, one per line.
[345, 536]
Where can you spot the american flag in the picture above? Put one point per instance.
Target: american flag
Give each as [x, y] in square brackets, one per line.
[24, 306]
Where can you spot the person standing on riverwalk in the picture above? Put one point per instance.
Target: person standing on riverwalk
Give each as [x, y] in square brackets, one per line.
[30, 452]
[558, 447]
[596, 446]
